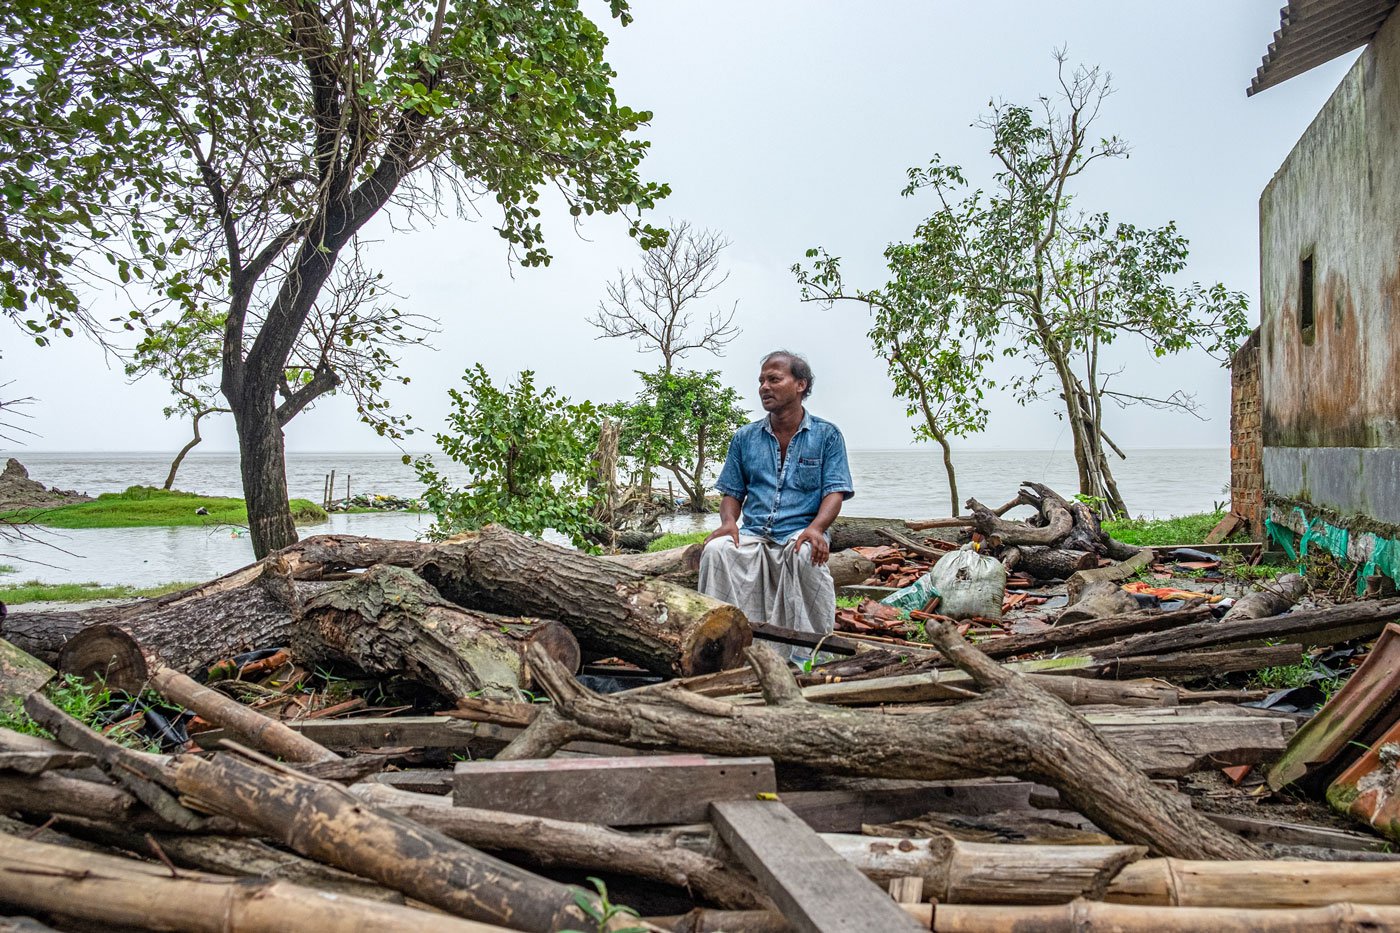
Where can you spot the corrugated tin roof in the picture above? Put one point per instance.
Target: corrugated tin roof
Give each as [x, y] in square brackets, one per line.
[1315, 31]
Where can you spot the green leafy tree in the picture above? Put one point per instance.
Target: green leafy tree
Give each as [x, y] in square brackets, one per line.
[527, 453]
[1054, 285]
[681, 421]
[348, 346]
[936, 354]
[242, 145]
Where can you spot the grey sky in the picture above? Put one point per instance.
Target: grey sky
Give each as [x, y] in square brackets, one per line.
[787, 125]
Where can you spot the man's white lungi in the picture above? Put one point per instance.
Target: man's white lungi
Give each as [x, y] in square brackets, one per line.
[770, 582]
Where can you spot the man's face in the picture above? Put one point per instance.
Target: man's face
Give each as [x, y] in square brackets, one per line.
[777, 389]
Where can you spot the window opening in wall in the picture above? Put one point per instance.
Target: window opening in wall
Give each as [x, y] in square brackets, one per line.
[1307, 314]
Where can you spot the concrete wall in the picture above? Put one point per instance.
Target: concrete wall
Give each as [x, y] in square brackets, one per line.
[1331, 393]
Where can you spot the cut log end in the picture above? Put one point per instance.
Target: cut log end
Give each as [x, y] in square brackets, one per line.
[717, 643]
[105, 654]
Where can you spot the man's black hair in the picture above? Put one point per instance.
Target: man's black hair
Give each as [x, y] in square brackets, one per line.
[797, 365]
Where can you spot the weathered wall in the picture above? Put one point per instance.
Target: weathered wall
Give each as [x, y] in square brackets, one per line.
[1246, 436]
[1331, 394]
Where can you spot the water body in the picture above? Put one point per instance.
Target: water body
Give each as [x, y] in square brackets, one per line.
[897, 483]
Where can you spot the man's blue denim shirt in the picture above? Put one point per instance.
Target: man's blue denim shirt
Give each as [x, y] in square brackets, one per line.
[781, 497]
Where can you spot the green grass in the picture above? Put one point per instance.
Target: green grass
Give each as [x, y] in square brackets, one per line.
[849, 602]
[146, 506]
[6, 568]
[1180, 529]
[33, 591]
[668, 541]
[78, 699]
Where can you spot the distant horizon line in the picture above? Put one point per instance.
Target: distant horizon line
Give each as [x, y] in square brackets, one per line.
[16, 453]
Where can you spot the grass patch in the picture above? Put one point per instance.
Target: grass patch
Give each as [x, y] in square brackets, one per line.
[35, 592]
[849, 602]
[6, 568]
[78, 699]
[1179, 529]
[675, 539]
[146, 506]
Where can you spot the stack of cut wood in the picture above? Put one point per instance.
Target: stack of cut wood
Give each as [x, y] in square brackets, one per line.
[1034, 780]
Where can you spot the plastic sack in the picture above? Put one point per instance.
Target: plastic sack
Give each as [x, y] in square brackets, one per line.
[970, 584]
[914, 596]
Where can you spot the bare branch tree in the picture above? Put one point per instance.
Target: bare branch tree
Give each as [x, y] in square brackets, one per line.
[651, 307]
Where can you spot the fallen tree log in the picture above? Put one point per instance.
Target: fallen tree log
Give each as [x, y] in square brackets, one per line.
[252, 607]
[324, 822]
[1014, 728]
[1195, 665]
[1349, 620]
[50, 793]
[1103, 600]
[143, 895]
[389, 620]
[105, 654]
[1273, 598]
[656, 856]
[1047, 563]
[1092, 631]
[682, 564]
[854, 531]
[611, 609]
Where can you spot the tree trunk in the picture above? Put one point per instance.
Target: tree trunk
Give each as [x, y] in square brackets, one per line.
[1094, 631]
[1273, 598]
[612, 610]
[388, 620]
[948, 468]
[1046, 563]
[193, 443]
[324, 822]
[1014, 728]
[250, 608]
[848, 532]
[1352, 620]
[262, 463]
[545, 842]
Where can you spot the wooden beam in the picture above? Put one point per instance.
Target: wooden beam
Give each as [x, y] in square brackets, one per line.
[815, 889]
[634, 791]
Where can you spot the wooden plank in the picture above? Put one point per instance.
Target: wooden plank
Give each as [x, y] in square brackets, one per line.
[1305, 626]
[1300, 834]
[846, 643]
[458, 735]
[846, 811]
[816, 890]
[635, 791]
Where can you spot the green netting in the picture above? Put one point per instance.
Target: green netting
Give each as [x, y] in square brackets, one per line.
[1385, 558]
[1317, 533]
[914, 596]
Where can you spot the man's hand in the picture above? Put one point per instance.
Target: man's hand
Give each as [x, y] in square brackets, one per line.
[730, 528]
[821, 550]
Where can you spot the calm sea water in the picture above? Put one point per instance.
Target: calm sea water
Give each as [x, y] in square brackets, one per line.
[893, 483]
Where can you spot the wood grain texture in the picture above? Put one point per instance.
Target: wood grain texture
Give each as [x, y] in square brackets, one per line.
[815, 889]
[633, 791]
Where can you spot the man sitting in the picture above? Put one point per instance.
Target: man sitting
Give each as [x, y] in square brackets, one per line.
[782, 484]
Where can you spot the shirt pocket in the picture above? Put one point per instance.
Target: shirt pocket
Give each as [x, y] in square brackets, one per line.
[807, 475]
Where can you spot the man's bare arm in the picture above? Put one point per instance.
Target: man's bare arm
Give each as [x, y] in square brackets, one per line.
[815, 533]
[729, 509]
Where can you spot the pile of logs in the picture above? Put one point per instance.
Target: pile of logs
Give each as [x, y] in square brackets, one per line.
[872, 792]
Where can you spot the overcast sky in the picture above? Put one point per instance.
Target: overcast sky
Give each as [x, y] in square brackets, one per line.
[787, 125]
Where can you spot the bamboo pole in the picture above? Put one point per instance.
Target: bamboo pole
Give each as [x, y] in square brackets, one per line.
[261, 732]
[123, 892]
[1121, 918]
[323, 821]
